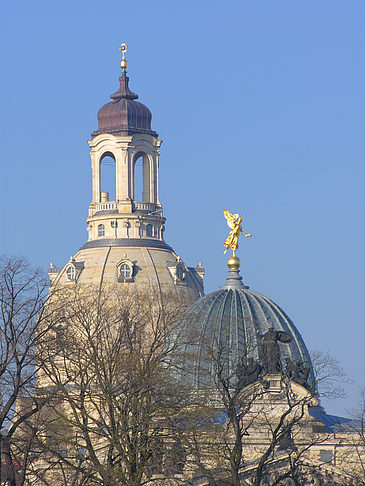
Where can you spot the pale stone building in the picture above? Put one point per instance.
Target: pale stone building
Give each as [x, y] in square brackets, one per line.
[126, 247]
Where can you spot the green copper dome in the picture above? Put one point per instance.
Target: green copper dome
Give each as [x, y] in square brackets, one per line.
[242, 335]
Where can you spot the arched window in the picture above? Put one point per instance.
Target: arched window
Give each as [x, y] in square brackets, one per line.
[108, 175]
[71, 273]
[142, 178]
[125, 270]
[101, 230]
[149, 230]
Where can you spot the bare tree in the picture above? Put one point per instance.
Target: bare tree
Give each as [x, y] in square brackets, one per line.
[329, 373]
[89, 395]
[258, 429]
[23, 323]
[290, 432]
[351, 452]
[116, 417]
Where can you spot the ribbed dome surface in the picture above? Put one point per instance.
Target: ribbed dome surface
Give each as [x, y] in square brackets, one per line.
[227, 327]
[124, 115]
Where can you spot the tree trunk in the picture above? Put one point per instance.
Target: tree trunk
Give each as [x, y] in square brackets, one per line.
[10, 474]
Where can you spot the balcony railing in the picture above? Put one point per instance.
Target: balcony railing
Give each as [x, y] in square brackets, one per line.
[144, 206]
[106, 206]
[113, 206]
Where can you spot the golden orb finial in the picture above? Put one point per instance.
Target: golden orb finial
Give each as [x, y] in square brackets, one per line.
[123, 63]
[233, 263]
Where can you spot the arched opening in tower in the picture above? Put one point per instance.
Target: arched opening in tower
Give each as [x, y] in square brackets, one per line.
[142, 178]
[108, 176]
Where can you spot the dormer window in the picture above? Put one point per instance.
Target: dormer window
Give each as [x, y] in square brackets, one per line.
[180, 274]
[101, 230]
[73, 270]
[125, 270]
[71, 273]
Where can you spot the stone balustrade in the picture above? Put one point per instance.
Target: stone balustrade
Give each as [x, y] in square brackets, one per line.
[114, 205]
[144, 206]
[106, 206]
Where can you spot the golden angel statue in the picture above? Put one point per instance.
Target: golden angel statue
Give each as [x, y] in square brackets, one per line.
[234, 221]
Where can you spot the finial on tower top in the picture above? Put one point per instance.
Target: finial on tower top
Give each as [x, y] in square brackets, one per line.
[123, 63]
[234, 221]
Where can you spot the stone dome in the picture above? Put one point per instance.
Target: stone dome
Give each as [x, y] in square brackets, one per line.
[124, 115]
[236, 328]
[153, 265]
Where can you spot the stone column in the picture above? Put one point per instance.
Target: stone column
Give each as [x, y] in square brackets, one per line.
[146, 194]
[95, 167]
[122, 175]
[156, 162]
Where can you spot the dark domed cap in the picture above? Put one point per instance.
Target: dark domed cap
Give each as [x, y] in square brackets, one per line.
[243, 333]
[124, 115]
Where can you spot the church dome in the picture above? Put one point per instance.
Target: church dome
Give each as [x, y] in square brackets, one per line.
[236, 327]
[126, 246]
[124, 115]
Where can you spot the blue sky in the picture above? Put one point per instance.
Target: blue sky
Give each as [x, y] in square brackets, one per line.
[260, 106]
